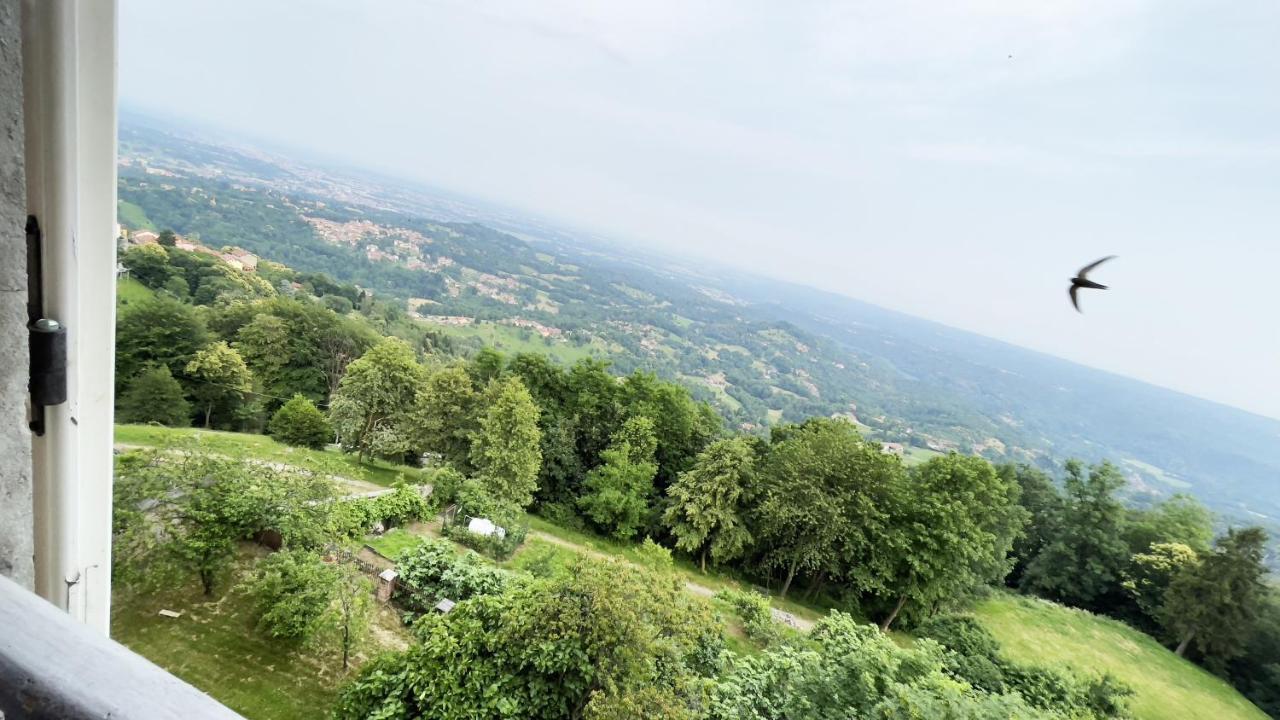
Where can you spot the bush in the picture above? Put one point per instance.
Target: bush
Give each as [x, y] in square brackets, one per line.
[291, 591]
[975, 657]
[755, 612]
[498, 548]
[354, 518]
[431, 571]
[299, 422]
[154, 397]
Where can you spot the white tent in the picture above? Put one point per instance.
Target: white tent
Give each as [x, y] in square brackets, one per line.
[485, 526]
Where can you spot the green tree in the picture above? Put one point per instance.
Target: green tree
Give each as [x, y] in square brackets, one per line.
[579, 644]
[1087, 555]
[616, 494]
[707, 507]
[1150, 573]
[1180, 519]
[372, 409]
[299, 422]
[1043, 502]
[157, 331]
[824, 504]
[167, 238]
[220, 379]
[445, 418]
[149, 265]
[154, 397]
[485, 367]
[297, 596]
[506, 448]
[953, 525]
[1216, 602]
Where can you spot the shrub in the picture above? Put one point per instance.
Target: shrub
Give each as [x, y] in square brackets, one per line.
[291, 591]
[498, 548]
[299, 422]
[431, 570]
[154, 397]
[754, 611]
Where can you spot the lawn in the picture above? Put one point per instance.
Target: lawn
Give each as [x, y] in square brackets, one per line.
[261, 447]
[510, 340]
[131, 292]
[1166, 686]
[391, 543]
[133, 217]
[215, 647]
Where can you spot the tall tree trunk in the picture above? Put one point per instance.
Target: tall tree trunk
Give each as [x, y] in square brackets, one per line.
[208, 414]
[884, 627]
[786, 585]
[346, 644]
[206, 580]
[703, 560]
[1182, 646]
[818, 582]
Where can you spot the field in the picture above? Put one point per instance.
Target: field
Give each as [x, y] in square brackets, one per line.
[1166, 686]
[215, 647]
[133, 217]
[511, 340]
[261, 447]
[131, 292]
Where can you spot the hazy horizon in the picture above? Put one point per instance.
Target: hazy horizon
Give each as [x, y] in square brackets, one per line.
[896, 156]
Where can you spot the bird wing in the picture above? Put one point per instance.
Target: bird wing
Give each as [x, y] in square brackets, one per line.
[1084, 271]
[1074, 303]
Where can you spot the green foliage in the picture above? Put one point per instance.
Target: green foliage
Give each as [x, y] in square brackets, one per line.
[167, 238]
[1180, 519]
[976, 658]
[292, 591]
[371, 411]
[219, 380]
[852, 671]
[708, 502]
[604, 636]
[149, 265]
[1216, 603]
[1042, 501]
[952, 527]
[157, 331]
[825, 501]
[1150, 573]
[1085, 559]
[445, 419]
[154, 397]
[505, 449]
[497, 547]
[755, 612]
[432, 570]
[616, 494]
[179, 512]
[299, 422]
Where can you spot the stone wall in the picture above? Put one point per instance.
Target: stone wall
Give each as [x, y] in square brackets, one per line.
[15, 440]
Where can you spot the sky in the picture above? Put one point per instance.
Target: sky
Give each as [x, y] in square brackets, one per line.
[957, 161]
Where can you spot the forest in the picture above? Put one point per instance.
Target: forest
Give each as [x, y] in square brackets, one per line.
[812, 507]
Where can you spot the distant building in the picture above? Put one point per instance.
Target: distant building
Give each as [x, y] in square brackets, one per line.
[892, 449]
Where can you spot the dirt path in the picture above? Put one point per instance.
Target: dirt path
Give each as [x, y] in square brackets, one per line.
[779, 616]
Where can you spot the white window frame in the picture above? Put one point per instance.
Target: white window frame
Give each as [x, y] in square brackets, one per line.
[70, 108]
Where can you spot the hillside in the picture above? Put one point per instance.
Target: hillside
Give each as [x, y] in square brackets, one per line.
[762, 351]
[1165, 686]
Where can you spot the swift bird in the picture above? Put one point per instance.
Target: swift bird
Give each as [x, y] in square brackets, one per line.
[1081, 280]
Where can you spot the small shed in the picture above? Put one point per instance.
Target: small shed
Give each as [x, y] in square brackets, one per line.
[485, 527]
[444, 606]
[386, 584]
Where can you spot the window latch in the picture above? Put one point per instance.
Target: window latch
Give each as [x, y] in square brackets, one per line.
[47, 337]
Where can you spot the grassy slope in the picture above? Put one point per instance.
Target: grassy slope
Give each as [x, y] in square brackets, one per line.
[133, 217]
[261, 447]
[1166, 686]
[507, 339]
[131, 292]
[215, 647]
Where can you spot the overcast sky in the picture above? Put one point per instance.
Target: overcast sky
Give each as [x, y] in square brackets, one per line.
[955, 160]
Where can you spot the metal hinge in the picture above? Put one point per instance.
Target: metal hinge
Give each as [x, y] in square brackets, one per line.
[48, 337]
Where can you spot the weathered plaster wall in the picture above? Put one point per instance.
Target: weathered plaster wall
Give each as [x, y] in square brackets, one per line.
[15, 440]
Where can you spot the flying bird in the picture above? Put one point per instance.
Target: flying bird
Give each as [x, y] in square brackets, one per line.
[1081, 280]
